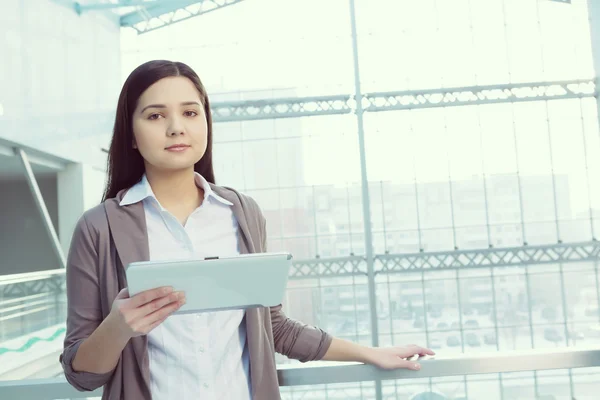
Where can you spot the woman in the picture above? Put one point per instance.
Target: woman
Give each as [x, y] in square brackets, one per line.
[161, 203]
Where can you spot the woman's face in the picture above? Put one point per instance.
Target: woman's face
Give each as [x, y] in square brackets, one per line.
[169, 125]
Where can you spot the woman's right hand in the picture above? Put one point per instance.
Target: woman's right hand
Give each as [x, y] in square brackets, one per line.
[138, 315]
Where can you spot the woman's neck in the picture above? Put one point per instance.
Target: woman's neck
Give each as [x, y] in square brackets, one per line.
[175, 190]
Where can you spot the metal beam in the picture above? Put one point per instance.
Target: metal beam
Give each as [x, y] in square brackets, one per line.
[41, 206]
[477, 95]
[100, 5]
[486, 258]
[236, 111]
[402, 100]
[229, 111]
[166, 13]
[452, 259]
[328, 267]
[44, 281]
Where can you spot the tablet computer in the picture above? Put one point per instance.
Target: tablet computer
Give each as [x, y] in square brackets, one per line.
[215, 283]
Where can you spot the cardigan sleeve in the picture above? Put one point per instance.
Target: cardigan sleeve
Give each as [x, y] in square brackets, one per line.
[292, 338]
[84, 312]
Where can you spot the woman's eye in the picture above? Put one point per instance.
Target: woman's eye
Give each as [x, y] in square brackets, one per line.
[154, 116]
[190, 113]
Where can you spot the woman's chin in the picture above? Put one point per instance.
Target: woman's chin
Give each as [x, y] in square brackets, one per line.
[175, 166]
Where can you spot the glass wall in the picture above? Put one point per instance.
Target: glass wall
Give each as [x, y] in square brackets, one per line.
[440, 179]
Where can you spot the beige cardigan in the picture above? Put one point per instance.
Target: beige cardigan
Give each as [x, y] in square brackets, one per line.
[108, 238]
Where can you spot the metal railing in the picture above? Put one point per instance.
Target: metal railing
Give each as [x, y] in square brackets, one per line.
[30, 283]
[331, 373]
[30, 302]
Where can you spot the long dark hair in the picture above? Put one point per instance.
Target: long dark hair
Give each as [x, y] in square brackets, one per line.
[125, 164]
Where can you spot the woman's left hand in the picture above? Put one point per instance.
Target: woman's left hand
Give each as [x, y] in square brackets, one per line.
[397, 357]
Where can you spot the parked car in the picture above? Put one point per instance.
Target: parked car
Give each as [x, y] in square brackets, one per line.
[472, 340]
[453, 341]
[552, 335]
[549, 314]
[489, 339]
[471, 324]
[442, 326]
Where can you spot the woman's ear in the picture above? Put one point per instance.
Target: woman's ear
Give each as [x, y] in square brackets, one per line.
[134, 144]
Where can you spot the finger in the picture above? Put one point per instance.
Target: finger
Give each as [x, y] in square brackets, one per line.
[159, 303]
[149, 295]
[155, 324]
[161, 313]
[410, 365]
[414, 366]
[423, 351]
[404, 364]
[123, 294]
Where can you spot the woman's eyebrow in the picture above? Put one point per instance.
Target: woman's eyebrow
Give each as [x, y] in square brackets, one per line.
[185, 103]
[191, 103]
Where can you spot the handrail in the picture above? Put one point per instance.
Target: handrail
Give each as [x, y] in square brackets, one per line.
[29, 276]
[28, 283]
[432, 367]
[326, 373]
